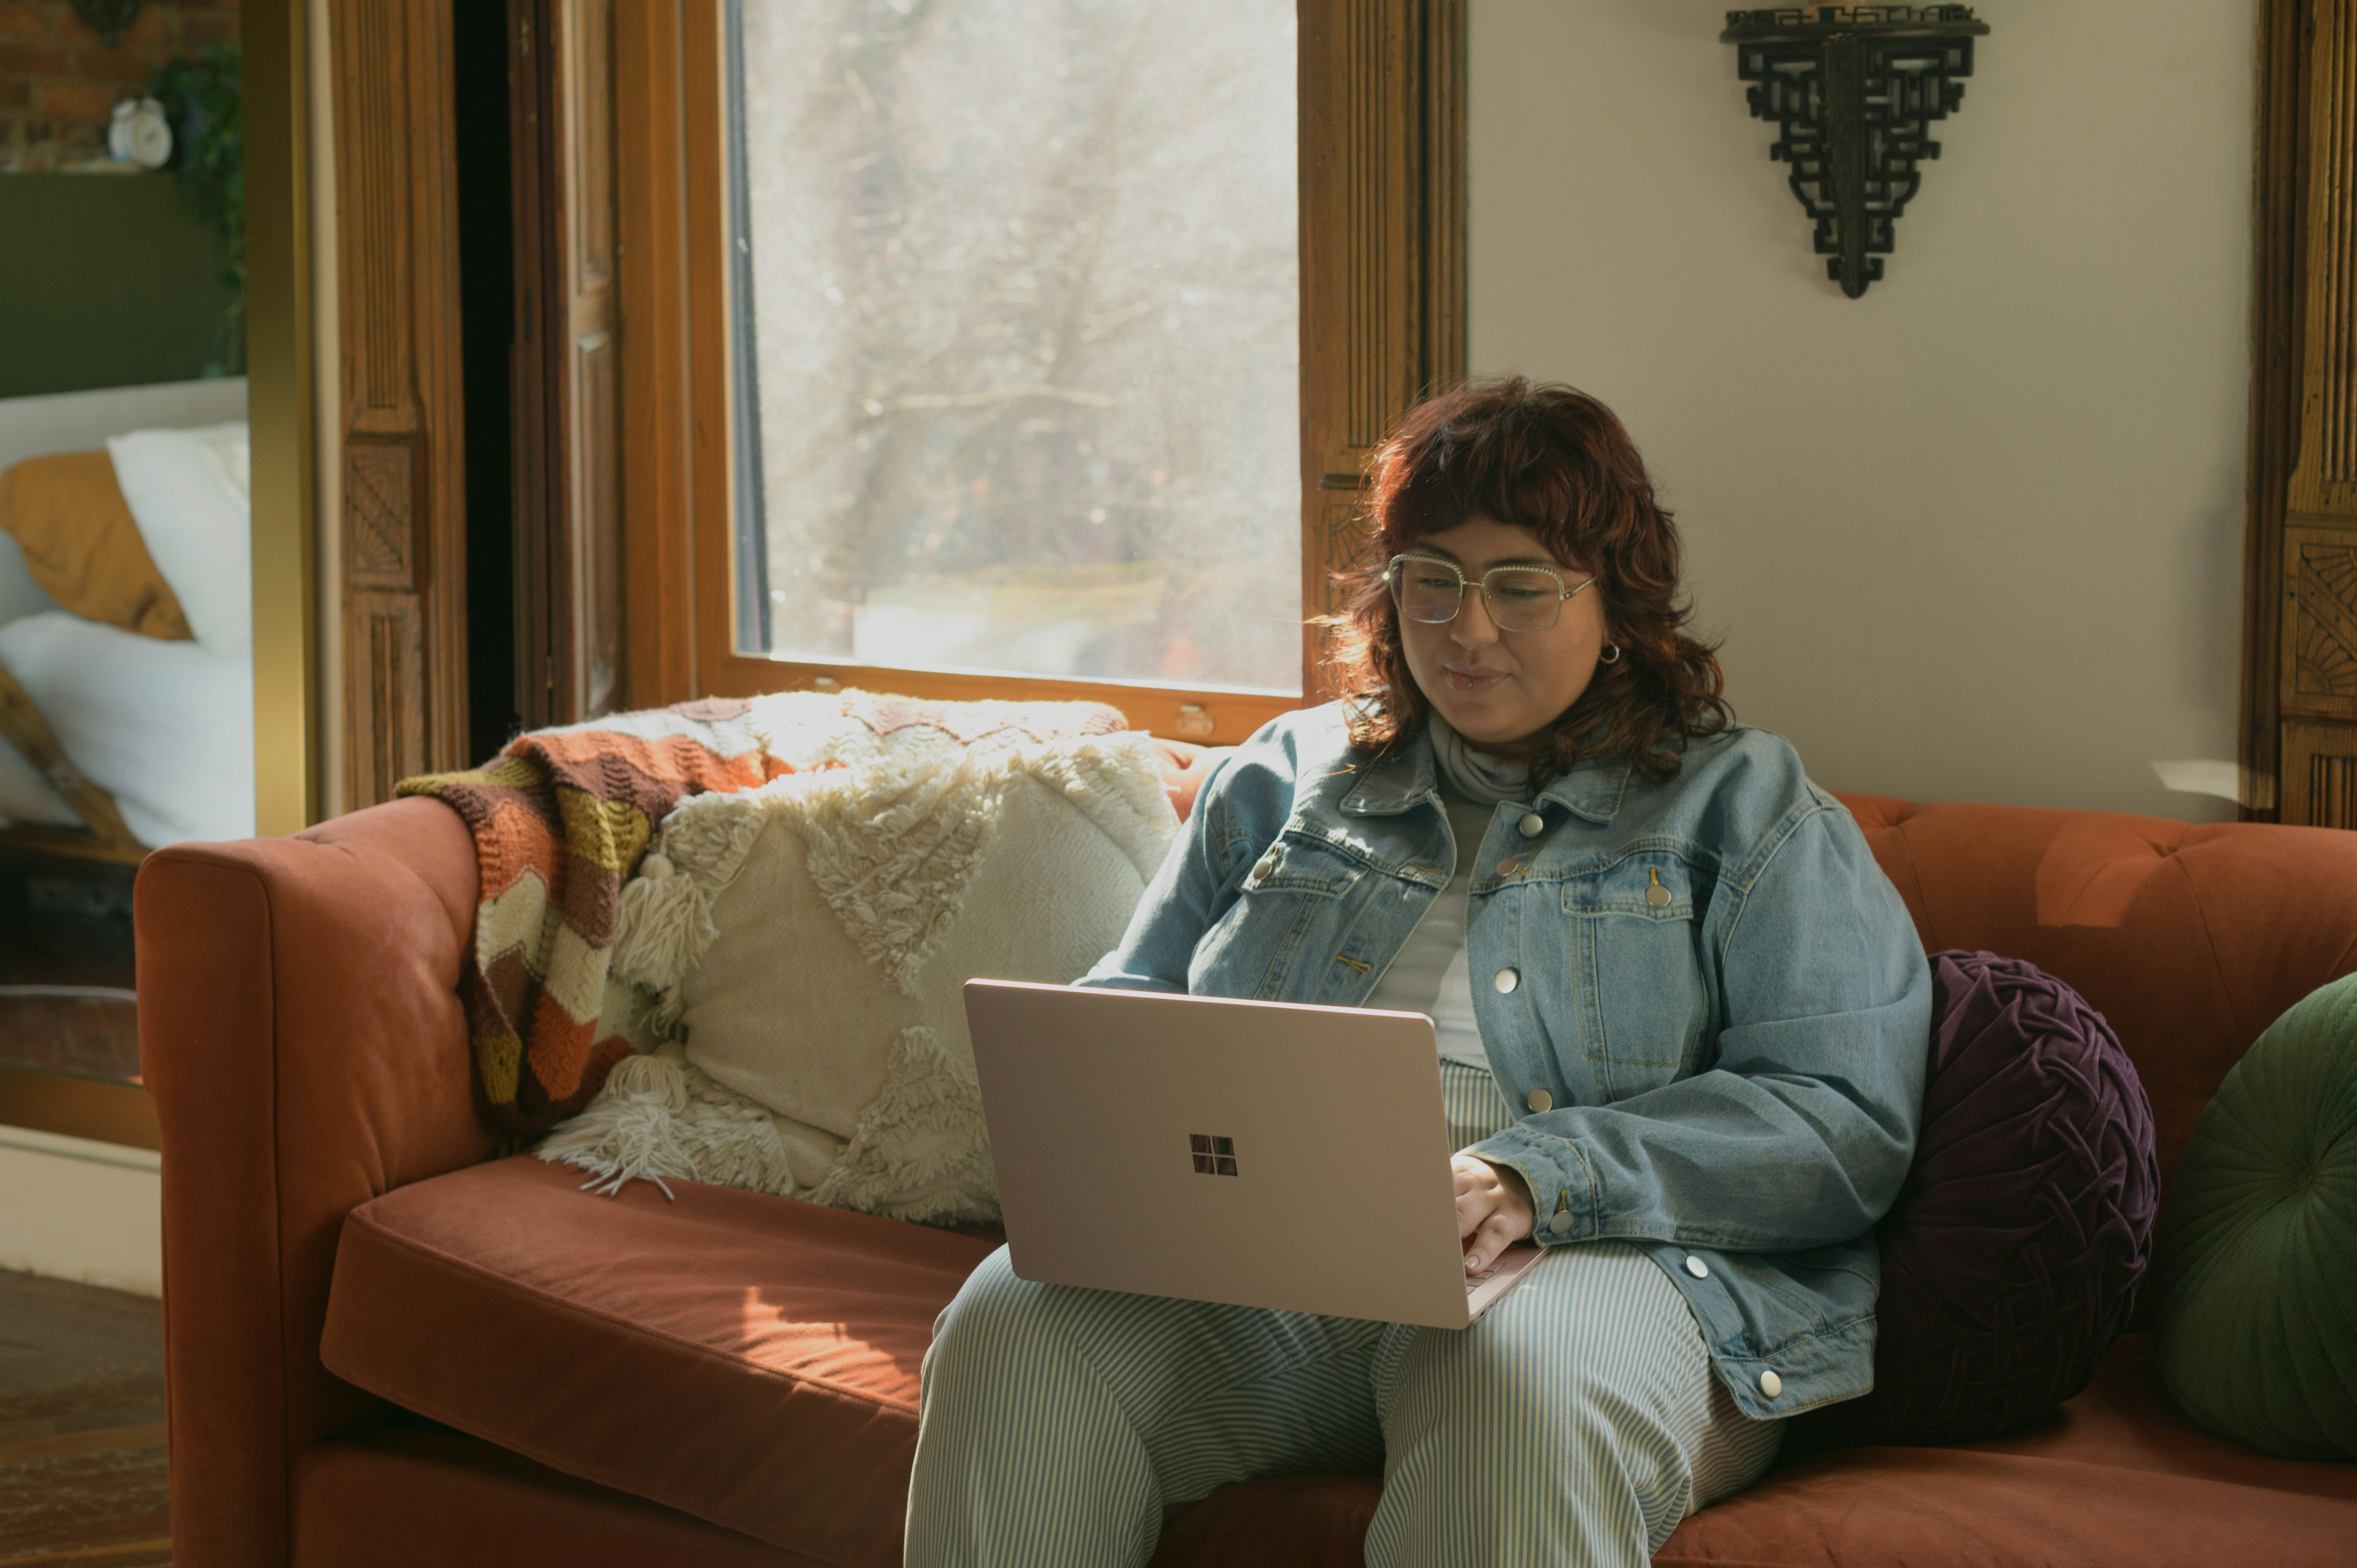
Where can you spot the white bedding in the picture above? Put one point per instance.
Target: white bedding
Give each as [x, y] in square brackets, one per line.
[164, 727]
[190, 493]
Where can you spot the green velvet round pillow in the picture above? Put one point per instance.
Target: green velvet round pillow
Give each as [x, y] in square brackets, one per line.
[2258, 1261]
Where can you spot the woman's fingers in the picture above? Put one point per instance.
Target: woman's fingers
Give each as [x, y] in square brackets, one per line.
[1493, 1209]
[1495, 1234]
[1474, 1205]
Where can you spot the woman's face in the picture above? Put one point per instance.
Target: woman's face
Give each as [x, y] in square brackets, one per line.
[1498, 688]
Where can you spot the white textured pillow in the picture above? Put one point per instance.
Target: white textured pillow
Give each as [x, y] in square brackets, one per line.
[806, 943]
[190, 492]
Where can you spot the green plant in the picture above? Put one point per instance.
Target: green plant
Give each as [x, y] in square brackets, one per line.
[200, 95]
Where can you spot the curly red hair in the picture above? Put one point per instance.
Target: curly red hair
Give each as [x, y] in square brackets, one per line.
[1557, 462]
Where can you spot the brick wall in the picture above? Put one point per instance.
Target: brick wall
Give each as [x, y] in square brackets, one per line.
[59, 81]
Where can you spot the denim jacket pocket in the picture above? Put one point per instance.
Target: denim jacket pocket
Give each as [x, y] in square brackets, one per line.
[1296, 899]
[1637, 948]
[1294, 864]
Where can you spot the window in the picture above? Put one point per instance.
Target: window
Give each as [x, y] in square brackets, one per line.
[1017, 329]
[1006, 348]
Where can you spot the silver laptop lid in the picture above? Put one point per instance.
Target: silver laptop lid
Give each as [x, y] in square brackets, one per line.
[1258, 1152]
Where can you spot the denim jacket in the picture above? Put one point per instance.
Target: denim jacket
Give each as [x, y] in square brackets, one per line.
[1720, 994]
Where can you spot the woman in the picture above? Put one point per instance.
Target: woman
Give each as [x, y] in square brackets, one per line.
[1682, 1019]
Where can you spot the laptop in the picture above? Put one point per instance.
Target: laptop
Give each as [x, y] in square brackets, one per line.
[1156, 1143]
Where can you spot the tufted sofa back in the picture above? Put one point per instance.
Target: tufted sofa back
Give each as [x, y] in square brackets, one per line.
[2189, 940]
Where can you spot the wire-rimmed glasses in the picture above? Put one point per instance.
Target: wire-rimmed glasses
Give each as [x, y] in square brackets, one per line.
[1519, 598]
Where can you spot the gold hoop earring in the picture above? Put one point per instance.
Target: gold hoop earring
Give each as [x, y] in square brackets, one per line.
[1611, 654]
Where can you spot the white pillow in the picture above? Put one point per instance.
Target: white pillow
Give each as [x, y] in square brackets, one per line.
[166, 728]
[192, 493]
[808, 940]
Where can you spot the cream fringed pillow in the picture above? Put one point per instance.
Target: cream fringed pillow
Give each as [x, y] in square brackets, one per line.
[805, 944]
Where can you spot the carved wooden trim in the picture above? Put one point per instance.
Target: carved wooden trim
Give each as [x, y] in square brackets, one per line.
[2320, 774]
[402, 529]
[388, 653]
[1382, 270]
[381, 515]
[2301, 665]
[2319, 621]
[2324, 482]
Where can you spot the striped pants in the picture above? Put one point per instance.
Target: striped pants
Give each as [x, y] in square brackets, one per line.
[1576, 1423]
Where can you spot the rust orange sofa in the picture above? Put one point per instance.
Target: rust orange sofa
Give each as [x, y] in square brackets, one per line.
[388, 1347]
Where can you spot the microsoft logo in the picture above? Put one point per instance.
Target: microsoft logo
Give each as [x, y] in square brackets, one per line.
[1214, 1156]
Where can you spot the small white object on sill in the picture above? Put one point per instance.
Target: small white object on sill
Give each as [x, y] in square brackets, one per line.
[139, 134]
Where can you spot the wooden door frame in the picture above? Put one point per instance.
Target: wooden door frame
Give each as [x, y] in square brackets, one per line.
[535, 380]
[1381, 103]
[402, 448]
[2278, 166]
[2299, 668]
[557, 440]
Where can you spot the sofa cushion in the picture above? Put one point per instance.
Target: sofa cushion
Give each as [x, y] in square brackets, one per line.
[2117, 1479]
[745, 1359]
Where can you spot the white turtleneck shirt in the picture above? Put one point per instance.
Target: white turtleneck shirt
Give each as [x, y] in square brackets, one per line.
[1429, 975]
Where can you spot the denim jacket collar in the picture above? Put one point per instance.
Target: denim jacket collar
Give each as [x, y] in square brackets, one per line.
[1390, 785]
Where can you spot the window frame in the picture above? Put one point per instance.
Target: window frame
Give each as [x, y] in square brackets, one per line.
[1381, 153]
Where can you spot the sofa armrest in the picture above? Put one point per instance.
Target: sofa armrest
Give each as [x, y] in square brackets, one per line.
[301, 1032]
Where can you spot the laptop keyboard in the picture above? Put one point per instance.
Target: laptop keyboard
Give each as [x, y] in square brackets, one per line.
[1475, 1282]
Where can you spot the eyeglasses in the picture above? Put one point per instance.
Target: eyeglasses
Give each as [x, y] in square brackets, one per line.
[1519, 598]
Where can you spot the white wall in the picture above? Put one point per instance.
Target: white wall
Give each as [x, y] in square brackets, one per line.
[74, 1209]
[1976, 536]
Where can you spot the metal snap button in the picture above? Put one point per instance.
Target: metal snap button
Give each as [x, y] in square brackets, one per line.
[1532, 824]
[1657, 895]
[1771, 1384]
[1697, 1267]
[1505, 980]
[1561, 1223]
[1539, 1099]
[1507, 867]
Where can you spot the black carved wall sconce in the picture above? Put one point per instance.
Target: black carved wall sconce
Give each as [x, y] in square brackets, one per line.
[1854, 90]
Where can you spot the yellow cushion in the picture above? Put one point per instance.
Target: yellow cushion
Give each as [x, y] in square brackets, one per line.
[81, 545]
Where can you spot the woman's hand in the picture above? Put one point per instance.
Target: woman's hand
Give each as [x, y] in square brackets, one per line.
[1493, 1208]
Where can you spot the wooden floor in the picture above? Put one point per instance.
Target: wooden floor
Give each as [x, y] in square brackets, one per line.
[82, 1427]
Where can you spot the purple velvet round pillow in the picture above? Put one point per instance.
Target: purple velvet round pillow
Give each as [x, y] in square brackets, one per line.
[2011, 1259]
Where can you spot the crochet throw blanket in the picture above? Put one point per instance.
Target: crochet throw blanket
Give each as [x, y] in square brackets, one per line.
[560, 821]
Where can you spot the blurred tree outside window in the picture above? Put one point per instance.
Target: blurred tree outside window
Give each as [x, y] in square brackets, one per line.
[1017, 304]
